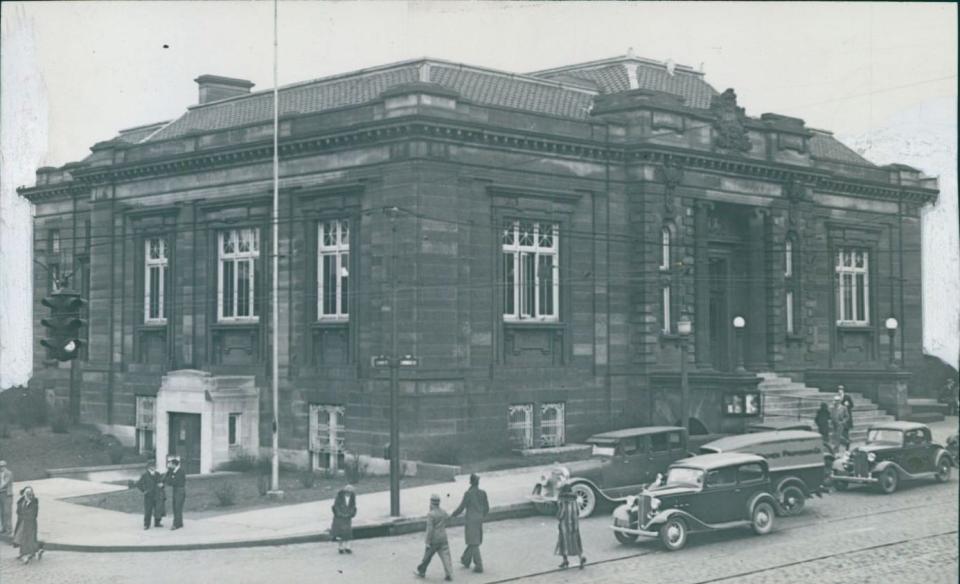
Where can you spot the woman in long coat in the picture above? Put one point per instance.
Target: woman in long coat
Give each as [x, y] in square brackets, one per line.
[344, 510]
[568, 519]
[25, 533]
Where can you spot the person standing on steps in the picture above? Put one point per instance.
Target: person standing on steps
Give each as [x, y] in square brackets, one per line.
[436, 540]
[344, 510]
[823, 422]
[838, 426]
[847, 402]
[177, 478]
[476, 506]
[568, 520]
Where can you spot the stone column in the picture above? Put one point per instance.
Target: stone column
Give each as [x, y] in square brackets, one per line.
[701, 270]
[759, 288]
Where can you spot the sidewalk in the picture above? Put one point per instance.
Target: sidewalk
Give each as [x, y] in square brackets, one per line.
[68, 526]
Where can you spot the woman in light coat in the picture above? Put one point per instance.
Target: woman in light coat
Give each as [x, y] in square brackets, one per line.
[25, 533]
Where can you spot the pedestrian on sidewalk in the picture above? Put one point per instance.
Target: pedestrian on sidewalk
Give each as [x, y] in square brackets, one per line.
[436, 540]
[568, 520]
[344, 510]
[6, 499]
[148, 486]
[25, 534]
[476, 506]
[823, 421]
[847, 402]
[177, 478]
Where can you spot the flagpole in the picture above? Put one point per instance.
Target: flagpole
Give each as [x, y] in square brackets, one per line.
[274, 320]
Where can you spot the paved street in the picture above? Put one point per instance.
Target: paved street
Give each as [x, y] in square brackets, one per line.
[846, 537]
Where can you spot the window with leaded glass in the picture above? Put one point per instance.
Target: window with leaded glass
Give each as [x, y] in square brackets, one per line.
[552, 424]
[146, 422]
[853, 286]
[238, 274]
[520, 425]
[333, 270]
[531, 268]
[155, 276]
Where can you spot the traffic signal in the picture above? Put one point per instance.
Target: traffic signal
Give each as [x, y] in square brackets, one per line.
[63, 325]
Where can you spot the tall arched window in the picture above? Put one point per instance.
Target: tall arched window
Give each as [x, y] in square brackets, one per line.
[791, 286]
[666, 280]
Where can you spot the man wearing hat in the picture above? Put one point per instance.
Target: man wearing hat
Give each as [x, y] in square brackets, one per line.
[476, 505]
[436, 540]
[847, 402]
[6, 499]
[838, 423]
[177, 478]
[149, 484]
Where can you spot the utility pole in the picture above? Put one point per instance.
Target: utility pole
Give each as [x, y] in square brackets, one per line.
[274, 299]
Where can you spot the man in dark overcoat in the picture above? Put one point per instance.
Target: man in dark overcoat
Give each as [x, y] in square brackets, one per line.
[476, 506]
[177, 478]
[148, 486]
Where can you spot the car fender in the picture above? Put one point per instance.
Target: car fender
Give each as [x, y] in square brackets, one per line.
[763, 496]
[601, 496]
[693, 523]
[885, 464]
[941, 454]
[795, 482]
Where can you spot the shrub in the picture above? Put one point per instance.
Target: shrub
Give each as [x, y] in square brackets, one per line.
[116, 454]
[355, 469]
[60, 422]
[4, 430]
[308, 479]
[226, 495]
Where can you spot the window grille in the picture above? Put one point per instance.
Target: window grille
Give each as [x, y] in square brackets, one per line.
[520, 425]
[552, 424]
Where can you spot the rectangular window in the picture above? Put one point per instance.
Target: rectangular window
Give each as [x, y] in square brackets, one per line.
[146, 422]
[238, 252]
[552, 424]
[54, 241]
[233, 429]
[326, 435]
[333, 270]
[853, 287]
[53, 270]
[155, 275]
[520, 425]
[665, 248]
[789, 310]
[531, 271]
[665, 310]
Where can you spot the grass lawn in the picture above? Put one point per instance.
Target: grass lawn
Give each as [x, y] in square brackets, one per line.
[30, 452]
[202, 492]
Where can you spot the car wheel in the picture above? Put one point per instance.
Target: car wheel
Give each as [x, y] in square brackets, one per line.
[889, 481]
[762, 519]
[625, 538]
[673, 534]
[586, 499]
[792, 500]
[943, 470]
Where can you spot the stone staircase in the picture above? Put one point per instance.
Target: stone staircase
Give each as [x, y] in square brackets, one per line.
[785, 399]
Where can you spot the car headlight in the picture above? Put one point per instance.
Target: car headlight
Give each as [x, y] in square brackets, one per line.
[654, 503]
[871, 457]
[631, 502]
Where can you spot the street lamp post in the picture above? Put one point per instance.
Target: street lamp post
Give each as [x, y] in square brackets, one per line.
[684, 327]
[891, 324]
[739, 323]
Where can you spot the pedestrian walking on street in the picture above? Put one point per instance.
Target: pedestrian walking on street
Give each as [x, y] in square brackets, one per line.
[436, 540]
[6, 499]
[568, 519]
[25, 534]
[476, 506]
[147, 484]
[177, 478]
[823, 422]
[344, 510]
[838, 425]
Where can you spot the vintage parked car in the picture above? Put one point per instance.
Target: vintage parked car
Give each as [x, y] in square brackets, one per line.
[894, 451]
[622, 462]
[785, 424]
[798, 462]
[702, 493]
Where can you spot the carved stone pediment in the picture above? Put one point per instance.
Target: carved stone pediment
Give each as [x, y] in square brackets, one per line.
[730, 122]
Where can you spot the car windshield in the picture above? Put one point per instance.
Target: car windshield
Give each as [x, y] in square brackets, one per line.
[886, 436]
[684, 476]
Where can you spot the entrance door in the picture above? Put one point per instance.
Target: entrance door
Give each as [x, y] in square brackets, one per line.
[185, 440]
[719, 313]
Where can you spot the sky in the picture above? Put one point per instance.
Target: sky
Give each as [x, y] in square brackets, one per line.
[73, 73]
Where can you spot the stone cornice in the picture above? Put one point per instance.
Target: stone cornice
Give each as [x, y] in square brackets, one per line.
[431, 128]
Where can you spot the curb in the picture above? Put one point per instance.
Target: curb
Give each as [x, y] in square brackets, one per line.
[386, 528]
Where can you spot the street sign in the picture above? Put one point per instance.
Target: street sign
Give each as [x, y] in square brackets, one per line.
[380, 361]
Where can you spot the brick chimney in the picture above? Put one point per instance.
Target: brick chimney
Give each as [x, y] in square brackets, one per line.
[214, 87]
